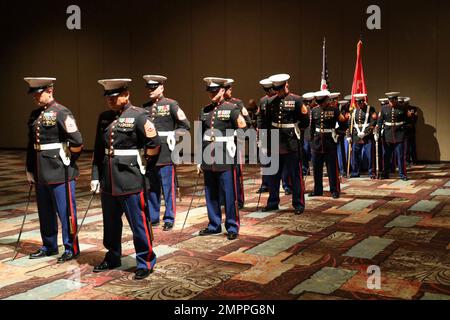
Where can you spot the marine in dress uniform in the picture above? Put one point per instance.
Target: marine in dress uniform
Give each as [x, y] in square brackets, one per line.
[365, 120]
[261, 124]
[54, 145]
[125, 134]
[392, 121]
[286, 113]
[308, 100]
[239, 165]
[220, 120]
[170, 122]
[324, 148]
[411, 151]
[342, 147]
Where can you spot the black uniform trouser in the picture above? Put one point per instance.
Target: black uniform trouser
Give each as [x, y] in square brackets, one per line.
[330, 159]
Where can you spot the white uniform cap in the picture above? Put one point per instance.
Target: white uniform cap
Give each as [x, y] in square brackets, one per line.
[309, 96]
[322, 94]
[360, 96]
[229, 82]
[344, 102]
[214, 83]
[279, 80]
[392, 94]
[154, 79]
[407, 99]
[266, 83]
[335, 95]
[39, 84]
[114, 87]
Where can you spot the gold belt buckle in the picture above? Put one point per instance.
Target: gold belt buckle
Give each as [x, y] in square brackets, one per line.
[37, 147]
[213, 139]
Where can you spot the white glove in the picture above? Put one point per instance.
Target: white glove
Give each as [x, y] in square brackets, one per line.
[199, 169]
[95, 186]
[30, 178]
[376, 136]
[171, 141]
[349, 140]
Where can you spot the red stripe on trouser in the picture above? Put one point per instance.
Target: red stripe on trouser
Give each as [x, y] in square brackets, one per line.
[147, 234]
[174, 204]
[72, 220]
[302, 185]
[338, 182]
[404, 158]
[241, 181]
[235, 196]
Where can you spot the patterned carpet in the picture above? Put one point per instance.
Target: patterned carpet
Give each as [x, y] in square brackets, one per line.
[402, 227]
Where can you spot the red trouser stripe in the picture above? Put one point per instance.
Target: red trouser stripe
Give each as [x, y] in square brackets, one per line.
[174, 204]
[235, 196]
[338, 181]
[72, 220]
[147, 233]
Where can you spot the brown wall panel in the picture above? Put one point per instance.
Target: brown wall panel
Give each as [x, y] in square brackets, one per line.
[245, 40]
[443, 92]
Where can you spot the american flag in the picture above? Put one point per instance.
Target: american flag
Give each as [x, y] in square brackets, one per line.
[324, 84]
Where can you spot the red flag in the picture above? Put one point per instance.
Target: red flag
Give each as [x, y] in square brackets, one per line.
[359, 84]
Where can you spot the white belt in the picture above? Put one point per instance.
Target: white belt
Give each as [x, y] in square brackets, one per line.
[231, 146]
[391, 124]
[55, 146]
[325, 130]
[48, 146]
[170, 138]
[218, 139]
[129, 152]
[284, 126]
[288, 126]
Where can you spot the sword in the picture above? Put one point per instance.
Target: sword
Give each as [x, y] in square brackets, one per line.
[189, 209]
[16, 251]
[85, 214]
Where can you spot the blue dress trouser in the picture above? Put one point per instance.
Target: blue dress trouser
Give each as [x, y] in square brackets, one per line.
[397, 149]
[164, 180]
[290, 164]
[133, 206]
[52, 202]
[225, 183]
[330, 159]
[366, 150]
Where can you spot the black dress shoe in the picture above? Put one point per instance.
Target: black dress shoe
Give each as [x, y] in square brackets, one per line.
[299, 211]
[42, 254]
[142, 274]
[67, 256]
[168, 226]
[270, 208]
[287, 192]
[207, 232]
[336, 195]
[404, 179]
[232, 236]
[105, 266]
[313, 194]
[155, 224]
